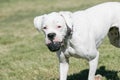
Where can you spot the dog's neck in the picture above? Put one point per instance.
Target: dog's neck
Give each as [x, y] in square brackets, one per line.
[68, 35]
[69, 32]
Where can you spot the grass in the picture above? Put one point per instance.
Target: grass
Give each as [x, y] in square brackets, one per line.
[23, 55]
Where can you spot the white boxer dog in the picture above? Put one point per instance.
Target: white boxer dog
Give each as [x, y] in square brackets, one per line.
[79, 34]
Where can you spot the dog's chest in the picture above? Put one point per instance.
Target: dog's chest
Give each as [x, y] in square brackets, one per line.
[71, 51]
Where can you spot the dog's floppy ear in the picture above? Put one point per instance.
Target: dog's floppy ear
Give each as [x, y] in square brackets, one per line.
[38, 22]
[68, 18]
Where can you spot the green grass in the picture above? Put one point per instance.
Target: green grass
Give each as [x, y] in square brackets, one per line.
[23, 55]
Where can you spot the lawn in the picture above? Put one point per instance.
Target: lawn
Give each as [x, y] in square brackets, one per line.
[23, 55]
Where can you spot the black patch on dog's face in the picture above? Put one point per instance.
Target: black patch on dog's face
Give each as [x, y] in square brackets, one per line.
[54, 46]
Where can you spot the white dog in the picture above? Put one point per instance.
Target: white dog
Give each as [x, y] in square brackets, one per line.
[79, 34]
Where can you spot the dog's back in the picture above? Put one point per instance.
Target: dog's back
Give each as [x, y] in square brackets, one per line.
[104, 19]
[111, 13]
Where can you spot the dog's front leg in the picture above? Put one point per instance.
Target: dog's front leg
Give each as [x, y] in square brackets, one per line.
[63, 71]
[93, 66]
[64, 65]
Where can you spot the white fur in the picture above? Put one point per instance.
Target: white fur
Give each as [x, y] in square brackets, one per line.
[89, 27]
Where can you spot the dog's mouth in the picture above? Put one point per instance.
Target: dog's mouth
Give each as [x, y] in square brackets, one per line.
[54, 46]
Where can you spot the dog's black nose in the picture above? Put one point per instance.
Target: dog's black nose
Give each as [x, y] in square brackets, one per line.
[51, 36]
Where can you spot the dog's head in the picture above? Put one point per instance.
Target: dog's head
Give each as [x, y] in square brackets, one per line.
[55, 27]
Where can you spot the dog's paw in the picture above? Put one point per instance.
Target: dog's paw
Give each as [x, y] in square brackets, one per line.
[98, 77]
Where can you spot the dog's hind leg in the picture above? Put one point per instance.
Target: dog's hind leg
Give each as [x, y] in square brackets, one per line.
[114, 36]
[93, 66]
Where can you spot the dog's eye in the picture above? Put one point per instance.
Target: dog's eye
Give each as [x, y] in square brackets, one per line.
[44, 27]
[58, 26]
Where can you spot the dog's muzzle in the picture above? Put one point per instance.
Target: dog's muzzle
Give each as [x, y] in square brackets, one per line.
[54, 46]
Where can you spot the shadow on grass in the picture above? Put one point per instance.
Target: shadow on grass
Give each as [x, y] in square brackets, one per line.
[108, 74]
[83, 75]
